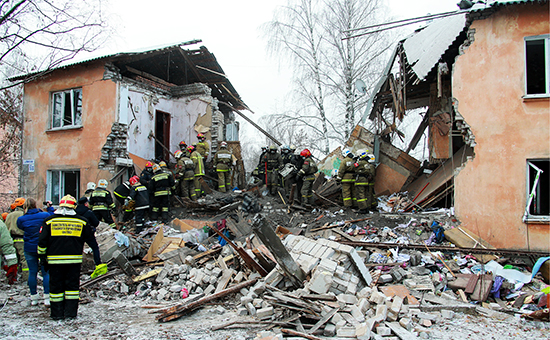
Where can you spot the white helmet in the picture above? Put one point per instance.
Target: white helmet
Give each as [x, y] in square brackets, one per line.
[90, 186]
[223, 145]
[102, 183]
[178, 154]
[346, 153]
[371, 158]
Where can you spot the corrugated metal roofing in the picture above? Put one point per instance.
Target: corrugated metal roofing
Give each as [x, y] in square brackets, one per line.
[425, 48]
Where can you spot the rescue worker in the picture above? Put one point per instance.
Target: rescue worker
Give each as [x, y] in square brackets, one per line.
[346, 174]
[146, 174]
[17, 236]
[121, 193]
[60, 246]
[9, 252]
[30, 223]
[272, 161]
[307, 174]
[222, 163]
[102, 203]
[372, 203]
[202, 146]
[83, 209]
[259, 172]
[290, 158]
[160, 186]
[183, 146]
[364, 173]
[90, 187]
[186, 175]
[196, 158]
[140, 196]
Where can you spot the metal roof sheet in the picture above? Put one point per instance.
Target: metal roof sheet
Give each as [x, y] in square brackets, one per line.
[424, 48]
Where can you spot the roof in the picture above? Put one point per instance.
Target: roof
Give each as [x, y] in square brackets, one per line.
[169, 66]
[425, 47]
[496, 3]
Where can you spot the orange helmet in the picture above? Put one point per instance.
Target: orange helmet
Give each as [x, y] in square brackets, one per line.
[148, 165]
[4, 215]
[305, 153]
[19, 201]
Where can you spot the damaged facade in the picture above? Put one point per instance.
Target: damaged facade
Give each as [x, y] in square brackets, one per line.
[482, 79]
[99, 118]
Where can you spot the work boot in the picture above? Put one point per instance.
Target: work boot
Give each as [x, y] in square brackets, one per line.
[46, 300]
[34, 300]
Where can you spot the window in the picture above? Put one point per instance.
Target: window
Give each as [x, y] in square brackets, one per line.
[538, 191]
[537, 65]
[67, 108]
[61, 183]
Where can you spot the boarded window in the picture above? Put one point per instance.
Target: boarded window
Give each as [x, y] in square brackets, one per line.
[67, 108]
[537, 69]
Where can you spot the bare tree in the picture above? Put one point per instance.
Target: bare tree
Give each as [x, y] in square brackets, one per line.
[308, 34]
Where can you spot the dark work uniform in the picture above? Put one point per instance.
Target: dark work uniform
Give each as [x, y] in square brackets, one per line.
[140, 195]
[84, 211]
[365, 174]
[308, 171]
[160, 186]
[347, 173]
[62, 240]
[121, 193]
[272, 162]
[102, 204]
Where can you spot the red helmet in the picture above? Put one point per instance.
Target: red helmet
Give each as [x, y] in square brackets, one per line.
[200, 136]
[305, 153]
[191, 148]
[133, 180]
[148, 165]
[183, 144]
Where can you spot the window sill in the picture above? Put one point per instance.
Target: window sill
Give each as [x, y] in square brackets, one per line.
[538, 220]
[535, 97]
[77, 127]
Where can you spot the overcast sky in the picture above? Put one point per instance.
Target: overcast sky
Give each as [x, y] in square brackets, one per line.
[230, 30]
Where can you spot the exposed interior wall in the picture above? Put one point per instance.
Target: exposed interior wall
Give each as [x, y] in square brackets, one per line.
[488, 83]
[71, 149]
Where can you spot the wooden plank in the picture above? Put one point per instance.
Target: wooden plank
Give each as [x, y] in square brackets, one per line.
[483, 288]
[323, 320]
[303, 335]
[227, 274]
[205, 186]
[471, 285]
[147, 275]
[462, 295]
[466, 239]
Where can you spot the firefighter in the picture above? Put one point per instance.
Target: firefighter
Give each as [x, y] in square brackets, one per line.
[9, 252]
[160, 186]
[60, 246]
[185, 172]
[272, 162]
[222, 163]
[17, 236]
[364, 175]
[140, 196]
[90, 187]
[102, 203]
[346, 174]
[307, 174]
[183, 146]
[371, 197]
[259, 172]
[146, 174]
[202, 146]
[121, 193]
[196, 158]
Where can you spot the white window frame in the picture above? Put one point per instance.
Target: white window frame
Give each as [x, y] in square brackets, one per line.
[60, 190]
[531, 194]
[76, 120]
[546, 39]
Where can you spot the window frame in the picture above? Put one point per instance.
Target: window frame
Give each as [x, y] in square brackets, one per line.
[74, 117]
[530, 191]
[546, 39]
[61, 184]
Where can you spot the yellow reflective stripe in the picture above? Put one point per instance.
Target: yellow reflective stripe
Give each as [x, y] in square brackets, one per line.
[25, 269]
[161, 193]
[361, 183]
[119, 195]
[41, 250]
[348, 180]
[219, 170]
[347, 199]
[100, 207]
[362, 200]
[18, 240]
[112, 206]
[64, 259]
[56, 297]
[72, 294]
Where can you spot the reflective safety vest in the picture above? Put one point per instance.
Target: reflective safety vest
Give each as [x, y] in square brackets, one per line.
[101, 199]
[62, 238]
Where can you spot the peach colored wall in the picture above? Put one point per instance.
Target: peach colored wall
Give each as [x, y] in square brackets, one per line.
[68, 149]
[488, 82]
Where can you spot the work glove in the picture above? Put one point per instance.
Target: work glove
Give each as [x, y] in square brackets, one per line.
[100, 269]
[126, 201]
[44, 262]
[11, 273]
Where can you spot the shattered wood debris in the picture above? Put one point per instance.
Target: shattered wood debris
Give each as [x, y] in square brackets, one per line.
[320, 273]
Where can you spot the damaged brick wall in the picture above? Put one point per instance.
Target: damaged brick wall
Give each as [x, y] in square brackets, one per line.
[114, 147]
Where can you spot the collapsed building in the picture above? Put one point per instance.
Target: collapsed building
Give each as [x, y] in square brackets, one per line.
[479, 80]
[105, 117]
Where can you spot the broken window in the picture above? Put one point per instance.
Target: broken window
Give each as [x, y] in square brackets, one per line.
[538, 184]
[61, 183]
[67, 108]
[537, 65]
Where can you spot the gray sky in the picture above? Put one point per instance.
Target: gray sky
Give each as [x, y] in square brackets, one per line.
[230, 30]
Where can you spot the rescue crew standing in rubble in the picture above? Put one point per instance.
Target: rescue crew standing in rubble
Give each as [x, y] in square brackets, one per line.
[17, 235]
[222, 163]
[185, 173]
[90, 187]
[9, 252]
[160, 186]
[30, 223]
[140, 196]
[197, 160]
[60, 246]
[121, 193]
[259, 172]
[364, 174]
[102, 203]
[202, 146]
[307, 174]
[83, 209]
[346, 174]
[272, 161]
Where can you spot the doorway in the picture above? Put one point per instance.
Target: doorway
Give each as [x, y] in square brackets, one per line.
[162, 133]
